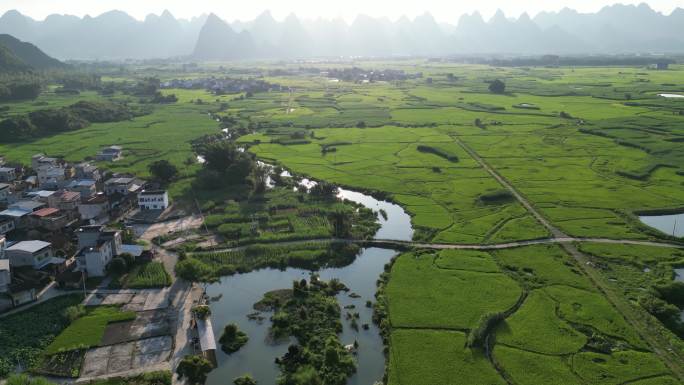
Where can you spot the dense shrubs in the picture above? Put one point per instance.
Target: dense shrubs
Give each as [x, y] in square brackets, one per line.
[195, 369]
[439, 152]
[497, 87]
[498, 196]
[52, 121]
[207, 267]
[312, 316]
[101, 112]
[19, 90]
[232, 339]
[478, 335]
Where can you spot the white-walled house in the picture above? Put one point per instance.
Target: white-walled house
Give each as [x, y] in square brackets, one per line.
[97, 247]
[7, 174]
[121, 185]
[153, 200]
[110, 154]
[5, 275]
[28, 253]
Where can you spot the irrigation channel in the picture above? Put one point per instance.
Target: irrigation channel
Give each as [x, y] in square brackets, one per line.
[234, 297]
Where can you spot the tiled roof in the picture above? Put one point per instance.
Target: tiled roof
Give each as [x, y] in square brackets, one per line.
[45, 212]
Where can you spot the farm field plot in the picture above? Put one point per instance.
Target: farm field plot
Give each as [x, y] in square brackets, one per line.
[427, 357]
[442, 196]
[424, 295]
[88, 330]
[562, 329]
[165, 133]
[21, 345]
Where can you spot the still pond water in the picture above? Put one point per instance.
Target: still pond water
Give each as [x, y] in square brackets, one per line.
[236, 294]
[668, 224]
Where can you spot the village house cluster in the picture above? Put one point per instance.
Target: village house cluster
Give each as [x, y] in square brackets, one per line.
[54, 218]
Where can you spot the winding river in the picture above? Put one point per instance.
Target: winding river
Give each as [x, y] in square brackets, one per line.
[235, 295]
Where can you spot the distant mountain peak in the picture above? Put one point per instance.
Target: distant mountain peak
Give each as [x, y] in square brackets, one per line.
[265, 16]
[498, 18]
[212, 18]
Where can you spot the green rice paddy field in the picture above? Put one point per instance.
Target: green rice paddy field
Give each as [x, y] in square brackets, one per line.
[589, 148]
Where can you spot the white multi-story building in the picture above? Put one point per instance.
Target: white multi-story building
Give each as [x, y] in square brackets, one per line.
[153, 200]
[97, 248]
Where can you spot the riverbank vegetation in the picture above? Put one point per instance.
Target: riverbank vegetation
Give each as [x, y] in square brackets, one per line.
[282, 214]
[209, 266]
[311, 314]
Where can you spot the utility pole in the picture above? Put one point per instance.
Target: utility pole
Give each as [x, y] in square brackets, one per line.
[674, 228]
[84, 283]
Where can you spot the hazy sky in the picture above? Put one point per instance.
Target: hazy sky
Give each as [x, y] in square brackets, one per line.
[442, 10]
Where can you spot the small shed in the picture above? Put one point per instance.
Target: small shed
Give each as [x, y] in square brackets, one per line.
[205, 330]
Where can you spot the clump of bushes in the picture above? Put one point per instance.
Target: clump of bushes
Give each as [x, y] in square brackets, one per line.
[51, 121]
[194, 368]
[497, 87]
[498, 196]
[232, 339]
[245, 380]
[201, 311]
[478, 335]
[439, 152]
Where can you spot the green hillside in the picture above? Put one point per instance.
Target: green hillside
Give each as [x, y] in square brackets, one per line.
[27, 54]
[9, 62]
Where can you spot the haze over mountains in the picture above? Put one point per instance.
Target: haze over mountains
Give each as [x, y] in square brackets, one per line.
[116, 35]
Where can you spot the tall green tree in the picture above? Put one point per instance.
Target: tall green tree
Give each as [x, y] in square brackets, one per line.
[163, 170]
[497, 87]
